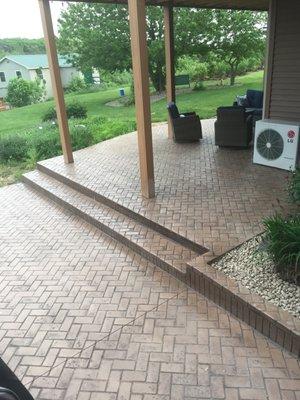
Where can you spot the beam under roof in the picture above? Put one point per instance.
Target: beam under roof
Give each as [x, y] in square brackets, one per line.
[255, 5]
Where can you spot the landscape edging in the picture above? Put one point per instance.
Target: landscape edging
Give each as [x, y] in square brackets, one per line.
[268, 319]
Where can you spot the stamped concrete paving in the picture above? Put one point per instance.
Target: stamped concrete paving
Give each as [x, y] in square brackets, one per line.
[82, 317]
[215, 197]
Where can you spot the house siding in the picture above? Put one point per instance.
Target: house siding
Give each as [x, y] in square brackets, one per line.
[284, 85]
[10, 68]
[67, 74]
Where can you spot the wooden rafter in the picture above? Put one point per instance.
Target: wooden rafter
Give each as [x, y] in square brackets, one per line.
[255, 5]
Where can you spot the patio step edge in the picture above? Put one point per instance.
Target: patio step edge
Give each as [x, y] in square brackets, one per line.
[37, 183]
[196, 247]
[195, 273]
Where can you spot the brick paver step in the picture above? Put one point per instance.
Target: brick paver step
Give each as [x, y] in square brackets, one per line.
[155, 247]
[135, 213]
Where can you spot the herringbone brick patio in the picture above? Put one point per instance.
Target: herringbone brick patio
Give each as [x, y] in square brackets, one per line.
[208, 201]
[83, 317]
[214, 197]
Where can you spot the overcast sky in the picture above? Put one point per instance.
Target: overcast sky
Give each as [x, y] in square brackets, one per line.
[21, 18]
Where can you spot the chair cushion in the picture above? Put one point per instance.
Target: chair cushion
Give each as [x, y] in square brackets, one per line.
[231, 115]
[255, 98]
[173, 110]
[242, 101]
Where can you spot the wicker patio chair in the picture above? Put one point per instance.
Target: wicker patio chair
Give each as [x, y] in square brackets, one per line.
[186, 126]
[233, 127]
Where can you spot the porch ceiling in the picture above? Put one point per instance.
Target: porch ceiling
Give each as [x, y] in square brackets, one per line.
[256, 5]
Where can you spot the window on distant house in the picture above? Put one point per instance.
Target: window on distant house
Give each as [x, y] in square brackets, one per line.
[2, 77]
[19, 74]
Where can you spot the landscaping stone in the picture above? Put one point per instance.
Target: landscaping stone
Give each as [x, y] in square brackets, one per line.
[253, 267]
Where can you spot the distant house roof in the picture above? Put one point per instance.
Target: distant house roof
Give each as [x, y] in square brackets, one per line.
[34, 61]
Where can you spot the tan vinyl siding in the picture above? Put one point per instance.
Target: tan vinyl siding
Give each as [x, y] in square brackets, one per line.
[285, 80]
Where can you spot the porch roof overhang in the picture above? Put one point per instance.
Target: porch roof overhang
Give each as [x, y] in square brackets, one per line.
[254, 5]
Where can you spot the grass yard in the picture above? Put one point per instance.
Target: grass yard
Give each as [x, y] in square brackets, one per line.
[204, 103]
[22, 121]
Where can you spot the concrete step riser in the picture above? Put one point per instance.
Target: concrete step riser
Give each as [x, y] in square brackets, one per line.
[108, 231]
[123, 210]
[154, 249]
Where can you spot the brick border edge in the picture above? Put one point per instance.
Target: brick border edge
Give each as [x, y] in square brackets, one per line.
[232, 296]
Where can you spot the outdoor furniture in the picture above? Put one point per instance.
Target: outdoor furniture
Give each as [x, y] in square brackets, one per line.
[233, 127]
[186, 127]
[182, 80]
[252, 102]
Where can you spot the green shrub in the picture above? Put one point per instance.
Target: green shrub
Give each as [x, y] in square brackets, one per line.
[13, 147]
[45, 144]
[74, 110]
[197, 70]
[81, 136]
[294, 187]
[217, 69]
[42, 142]
[77, 84]
[104, 129]
[94, 88]
[38, 90]
[249, 64]
[131, 97]
[112, 79]
[199, 86]
[282, 241]
[49, 115]
[22, 93]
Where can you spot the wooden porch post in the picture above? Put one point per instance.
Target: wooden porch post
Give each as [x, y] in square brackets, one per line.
[268, 73]
[137, 19]
[56, 81]
[170, 67]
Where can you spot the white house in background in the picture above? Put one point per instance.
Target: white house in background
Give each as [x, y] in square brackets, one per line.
[31, 66]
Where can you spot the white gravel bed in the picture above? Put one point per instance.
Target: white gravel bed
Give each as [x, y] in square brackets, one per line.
[253, 267]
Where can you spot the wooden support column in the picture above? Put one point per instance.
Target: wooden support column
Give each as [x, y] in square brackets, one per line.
[137, 19]
[170, 61]
[56, 81]
[269, 60]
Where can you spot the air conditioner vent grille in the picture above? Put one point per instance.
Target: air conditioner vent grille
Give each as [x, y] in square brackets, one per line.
[270, 144]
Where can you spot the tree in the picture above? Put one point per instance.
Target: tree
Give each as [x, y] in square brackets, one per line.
[22, 93]
[21, 46]
[236, 36]
[97, 36]
[191, 27]
[155, 41]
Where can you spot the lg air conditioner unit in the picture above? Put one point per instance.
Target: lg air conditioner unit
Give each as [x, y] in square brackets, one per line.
[277, 144]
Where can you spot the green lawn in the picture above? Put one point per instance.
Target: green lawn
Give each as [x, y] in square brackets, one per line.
[204, 103]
